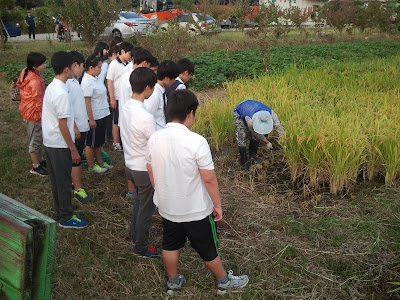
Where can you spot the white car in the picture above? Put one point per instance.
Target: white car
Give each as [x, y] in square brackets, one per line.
[129, 24]
[195, 23]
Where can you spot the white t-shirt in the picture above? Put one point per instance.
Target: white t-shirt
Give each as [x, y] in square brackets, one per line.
[136, 127]
[182, 86]
[56, 105]
[78, 103]
[155, 105]
[176, 154]
[103, 73]
[125, 88]
[95, 89]
[115, 70]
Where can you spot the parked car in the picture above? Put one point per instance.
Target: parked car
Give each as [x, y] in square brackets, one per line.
[12, 28]
[129, 24]
[195, 23]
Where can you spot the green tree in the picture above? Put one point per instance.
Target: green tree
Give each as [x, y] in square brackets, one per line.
[89, 17]
[240, 10]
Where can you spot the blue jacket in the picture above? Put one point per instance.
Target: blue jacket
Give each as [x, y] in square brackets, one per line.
[248, 108]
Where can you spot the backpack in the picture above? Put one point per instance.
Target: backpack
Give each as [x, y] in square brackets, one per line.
[14, 91]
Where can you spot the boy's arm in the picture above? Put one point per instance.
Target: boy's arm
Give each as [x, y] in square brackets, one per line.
[77, 132]
[210, 181]
[92, 122]
[110, 85]
[150, 170]
[62, 124]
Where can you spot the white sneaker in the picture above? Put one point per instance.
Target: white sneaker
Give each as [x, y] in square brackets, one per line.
[117, 147]
[172, 288]
[234, 283]
[106, 166]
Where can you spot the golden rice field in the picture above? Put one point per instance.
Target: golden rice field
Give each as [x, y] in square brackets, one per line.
[342, 121]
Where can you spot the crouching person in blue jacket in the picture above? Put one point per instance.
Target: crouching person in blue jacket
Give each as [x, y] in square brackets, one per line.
[254, 120]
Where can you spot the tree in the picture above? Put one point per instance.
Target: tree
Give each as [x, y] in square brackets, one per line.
[338, 15]
[240, 10]
[89, 17]
[298, 16]
[4, 6]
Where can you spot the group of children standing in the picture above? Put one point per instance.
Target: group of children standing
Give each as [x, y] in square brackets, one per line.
[167, 165]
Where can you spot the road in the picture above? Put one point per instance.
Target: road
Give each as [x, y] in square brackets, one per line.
[39, 37]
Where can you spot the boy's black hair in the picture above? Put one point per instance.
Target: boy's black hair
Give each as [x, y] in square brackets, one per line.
[167, 69]
[78, 57]
[99, 50]
[116, 40]
[92, 61]
[185, 65]
[154, 62]
[142, 77]
[114, 49]
[125, 46]
[33, 60]
[61, 60]
[141, 55]
[180, 104]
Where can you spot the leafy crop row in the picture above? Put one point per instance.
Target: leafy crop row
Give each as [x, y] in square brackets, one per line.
[215, 68]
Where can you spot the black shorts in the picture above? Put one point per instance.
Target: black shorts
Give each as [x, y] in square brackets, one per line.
[115, 114]
[80, 145]
[202, 235]
[95, 137]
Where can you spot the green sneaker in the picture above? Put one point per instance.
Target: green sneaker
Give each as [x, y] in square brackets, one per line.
[97, 169]
[81, 196]
[106, 165]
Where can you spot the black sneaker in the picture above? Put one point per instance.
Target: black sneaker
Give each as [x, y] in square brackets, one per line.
[43, 163]
[39, 170]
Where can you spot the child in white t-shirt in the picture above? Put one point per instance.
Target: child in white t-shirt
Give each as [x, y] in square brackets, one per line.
[97, 108]
[137, 125]
[166, 73]
[115, 70]
[58, 139]
[181, 170]
[81, 126]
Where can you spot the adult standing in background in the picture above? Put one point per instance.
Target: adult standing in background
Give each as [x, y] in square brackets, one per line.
[31, 23]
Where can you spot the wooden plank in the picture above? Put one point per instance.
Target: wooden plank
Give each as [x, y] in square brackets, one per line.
[16, 241]
[44, 238]
[7, 292]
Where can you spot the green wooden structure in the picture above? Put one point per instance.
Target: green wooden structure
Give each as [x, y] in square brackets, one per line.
[27, 249]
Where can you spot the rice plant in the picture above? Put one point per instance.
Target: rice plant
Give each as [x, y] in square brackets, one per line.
[339, 119]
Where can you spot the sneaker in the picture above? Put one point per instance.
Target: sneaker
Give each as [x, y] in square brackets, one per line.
[131, 194]
[173, 287]
[150, 248]
[43, 163]
[117, 147]
[74, 223]
[150, 252]
[97, 169]
[233, 283]
[81, 196]
[106, 165]
[39, 170]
